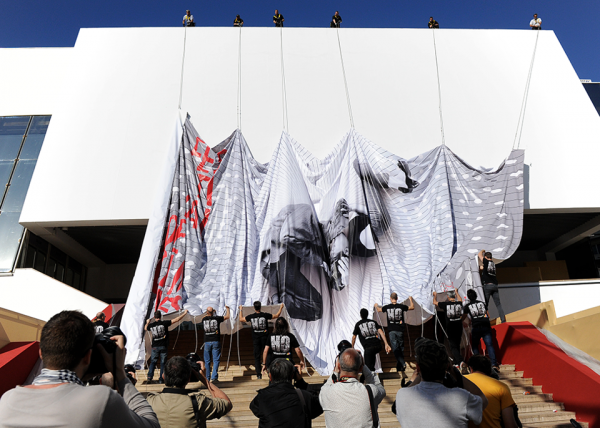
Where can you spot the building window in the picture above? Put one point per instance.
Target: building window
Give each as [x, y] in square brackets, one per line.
[21, 139]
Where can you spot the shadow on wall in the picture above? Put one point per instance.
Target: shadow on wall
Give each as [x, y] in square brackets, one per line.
[526, 186]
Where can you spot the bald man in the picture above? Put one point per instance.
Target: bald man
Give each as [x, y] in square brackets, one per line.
[212, 341]
[99, 323]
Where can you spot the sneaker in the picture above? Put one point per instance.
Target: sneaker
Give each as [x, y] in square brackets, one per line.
[258, 376]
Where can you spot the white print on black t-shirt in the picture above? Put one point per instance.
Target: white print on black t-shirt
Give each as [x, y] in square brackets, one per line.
[491, 268]
[477, 310]
[394, 315]
[454, 312]
[211, 326]
[280, 344]
[158, 332]
[99, 329]
[368, 330]
[259, 324]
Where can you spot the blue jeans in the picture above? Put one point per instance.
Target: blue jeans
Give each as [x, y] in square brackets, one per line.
[486, 334]
[212, 349]
[397, 344]
[157, 351]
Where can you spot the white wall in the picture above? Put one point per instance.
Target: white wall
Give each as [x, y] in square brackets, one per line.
[34, 294]
[117, 108]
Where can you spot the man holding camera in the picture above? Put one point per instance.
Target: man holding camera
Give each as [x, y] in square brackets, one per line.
[395, 318]
[282, 405]
[160, 340]
[428, 402]
[176, 406]
[58, 398]
[367, 331]
[260, 333]
[352, 393]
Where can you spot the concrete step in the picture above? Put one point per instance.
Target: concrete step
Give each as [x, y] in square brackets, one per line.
[552, 416]
[553, 425]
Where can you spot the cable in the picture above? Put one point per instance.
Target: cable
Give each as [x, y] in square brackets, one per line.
[178, 330]
[182, 64]
[239, 92]
[521, 120]
[283, 89]
[196, 334]
[345, 80]
[437, 69]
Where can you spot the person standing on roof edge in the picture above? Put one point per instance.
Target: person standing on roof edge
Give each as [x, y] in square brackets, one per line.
[188, 19]
[336, 20]
[260, 333]
[212, 341]
[238, 22]
[490, 282]
[433, 23]
[396, 327]
[535, 23]
[278, 19]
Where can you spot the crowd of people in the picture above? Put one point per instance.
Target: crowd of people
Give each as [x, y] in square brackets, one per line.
[82, 357]
[336, 20]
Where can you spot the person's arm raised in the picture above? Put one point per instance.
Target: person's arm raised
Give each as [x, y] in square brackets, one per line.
[180, 317]
[242, 318]
[227, 314]
[412, 303]
[278, 314]
[378, 308]
[435, 302]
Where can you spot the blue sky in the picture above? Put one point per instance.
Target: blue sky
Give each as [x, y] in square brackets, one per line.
[35, 23]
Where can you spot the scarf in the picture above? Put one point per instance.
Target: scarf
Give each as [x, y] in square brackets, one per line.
[53, 377]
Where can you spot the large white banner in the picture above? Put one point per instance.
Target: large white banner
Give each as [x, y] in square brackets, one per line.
[330, 236]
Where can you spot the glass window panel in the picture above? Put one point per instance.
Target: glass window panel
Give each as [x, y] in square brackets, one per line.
[40, 261]
[5, 169]
[11, 233]
[76, 279]
[39, 125]
[18, 186]
[30, 259]
[32, 146]
[69, 277]
[51, 268]
[12, 129]
[59, 272]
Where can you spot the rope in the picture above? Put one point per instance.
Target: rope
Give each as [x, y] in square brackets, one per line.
[437, 70]
[409, 341]
[239, 90]
[441, 326]
[521, 120]
[178, 330]
[196, 334]
[182, 63]
[283, 90]
[345, 80]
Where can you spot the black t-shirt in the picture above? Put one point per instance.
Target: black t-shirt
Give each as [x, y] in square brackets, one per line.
[278, 19]
[453, 311]
[478, 313]
[260, 323]
[282, 345]
[366, 330]
[488, 274]
[395, 316]
[160, 332]
[433, 24]
[335, 19]
[212, 328]
[99, 326]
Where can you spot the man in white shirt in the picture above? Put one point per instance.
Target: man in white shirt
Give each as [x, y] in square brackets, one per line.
[429, 403]
[346, 401]
[536, 23]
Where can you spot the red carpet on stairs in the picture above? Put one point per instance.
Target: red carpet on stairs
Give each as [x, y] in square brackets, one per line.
[16, 362]
[571, 382]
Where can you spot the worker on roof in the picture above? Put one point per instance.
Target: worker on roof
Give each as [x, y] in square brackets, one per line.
[188, 19]
[433, 23]
[278, 19]
[535, 23]
[336, 20]
[238, 22]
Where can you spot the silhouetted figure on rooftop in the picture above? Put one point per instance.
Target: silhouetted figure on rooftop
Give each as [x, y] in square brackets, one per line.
[433, 23]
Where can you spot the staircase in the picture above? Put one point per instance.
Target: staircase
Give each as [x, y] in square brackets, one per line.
[239, 382]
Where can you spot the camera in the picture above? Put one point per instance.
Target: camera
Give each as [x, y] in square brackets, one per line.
[193, 360]
[97, 365]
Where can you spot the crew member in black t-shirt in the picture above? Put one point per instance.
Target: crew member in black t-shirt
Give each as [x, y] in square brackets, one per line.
[278, 19]
[490, 282]
[99, 323]
[433, 23]
[481, 328]
[367, 331]
[281, 344]
[212, 341]
[238, 22]
[160, 340]
[260, 333]
[453, 309]
[396, 326]
[336, 20]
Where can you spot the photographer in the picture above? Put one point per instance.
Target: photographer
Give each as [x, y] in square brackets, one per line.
[346, 401]
[280, 404]
[176, 406]
[431, 400]
[57, 396]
